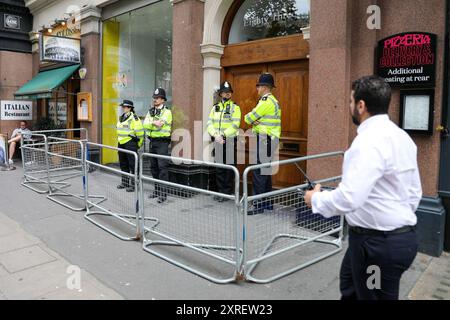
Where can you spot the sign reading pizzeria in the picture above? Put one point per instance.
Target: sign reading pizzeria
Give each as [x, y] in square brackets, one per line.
[408, 60]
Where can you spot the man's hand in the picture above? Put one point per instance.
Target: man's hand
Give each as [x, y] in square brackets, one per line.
[219, 139]
[158, 123]
[309, 195]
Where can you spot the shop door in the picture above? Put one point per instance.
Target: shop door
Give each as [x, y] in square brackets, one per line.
[291, 78]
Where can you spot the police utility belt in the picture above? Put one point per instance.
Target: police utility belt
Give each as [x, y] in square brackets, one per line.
[162, 139]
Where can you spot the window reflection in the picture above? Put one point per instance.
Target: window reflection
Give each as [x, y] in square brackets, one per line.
[260, 19]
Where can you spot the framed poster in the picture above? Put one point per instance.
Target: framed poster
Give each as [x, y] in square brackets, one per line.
[417, 111]
[60, 49]
[84, 106]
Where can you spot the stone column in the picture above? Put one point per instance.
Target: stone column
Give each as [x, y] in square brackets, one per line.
[90, 43]
[330, 54]
[187, 67]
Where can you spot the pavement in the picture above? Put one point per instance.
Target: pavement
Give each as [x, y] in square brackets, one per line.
[50, 252]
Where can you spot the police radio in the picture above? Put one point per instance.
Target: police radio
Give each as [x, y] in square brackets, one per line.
[228, 110]
[155, 112]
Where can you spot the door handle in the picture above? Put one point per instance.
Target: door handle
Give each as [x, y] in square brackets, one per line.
[445, 133]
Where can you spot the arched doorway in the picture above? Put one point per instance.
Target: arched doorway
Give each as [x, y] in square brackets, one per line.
[265, 36]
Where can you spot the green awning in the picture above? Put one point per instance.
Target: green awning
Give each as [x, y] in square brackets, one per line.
[42, 85]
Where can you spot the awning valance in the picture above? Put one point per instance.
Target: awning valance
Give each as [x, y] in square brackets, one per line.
[42, 85]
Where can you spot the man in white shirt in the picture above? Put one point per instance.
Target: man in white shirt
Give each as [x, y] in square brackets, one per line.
[16, 138]
[379, 195]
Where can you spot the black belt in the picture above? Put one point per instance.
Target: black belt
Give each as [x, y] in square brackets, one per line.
[168, 139]
[370, 232]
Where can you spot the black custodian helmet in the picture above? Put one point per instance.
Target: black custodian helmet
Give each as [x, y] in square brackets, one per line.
[266, 79]
[160, 93]
[225, 87]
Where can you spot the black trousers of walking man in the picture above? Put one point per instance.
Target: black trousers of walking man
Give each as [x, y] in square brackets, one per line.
[369, 257]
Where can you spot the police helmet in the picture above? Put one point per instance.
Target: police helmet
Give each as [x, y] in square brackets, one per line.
[160, 93]
[266, 79]
[225, 87]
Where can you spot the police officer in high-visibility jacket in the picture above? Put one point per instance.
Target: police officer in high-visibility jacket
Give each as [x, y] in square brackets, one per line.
[158, 126]
[223, 127]
[265, 119]
[130, 134]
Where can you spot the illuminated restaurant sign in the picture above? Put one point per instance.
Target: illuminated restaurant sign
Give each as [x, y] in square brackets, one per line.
[408, 59]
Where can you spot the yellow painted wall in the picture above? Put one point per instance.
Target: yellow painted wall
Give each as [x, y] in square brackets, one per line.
[110, 92]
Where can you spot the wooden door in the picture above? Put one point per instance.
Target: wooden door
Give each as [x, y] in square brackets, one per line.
[291, 80]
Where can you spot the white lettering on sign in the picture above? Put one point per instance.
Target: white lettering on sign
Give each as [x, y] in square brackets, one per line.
[16, 110]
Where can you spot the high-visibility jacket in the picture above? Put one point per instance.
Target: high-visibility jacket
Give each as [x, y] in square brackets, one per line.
[268, 114]
[153, 131]
[225, 120]
[130, 127]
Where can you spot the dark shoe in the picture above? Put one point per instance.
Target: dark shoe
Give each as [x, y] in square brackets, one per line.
[153, 195]
[162, 200]
[130, 189]
[121, 186]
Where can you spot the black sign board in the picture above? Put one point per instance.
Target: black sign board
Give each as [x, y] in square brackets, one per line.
[408, 60]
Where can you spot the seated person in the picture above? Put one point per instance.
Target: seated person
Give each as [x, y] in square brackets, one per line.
[16, 137]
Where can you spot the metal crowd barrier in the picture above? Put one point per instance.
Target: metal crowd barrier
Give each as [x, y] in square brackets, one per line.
[66, 163]
[190, 220]
[118, 204]
[37, 169]
[65, 133]
[194, 222]
[34, 150]
[289, 224]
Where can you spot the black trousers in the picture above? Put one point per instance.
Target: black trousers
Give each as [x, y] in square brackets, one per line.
[160, 167]
[262, 178]
[225, 154]
[392, 254]
[127, 162]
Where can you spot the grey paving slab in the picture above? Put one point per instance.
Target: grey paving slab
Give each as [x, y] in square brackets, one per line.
[35, 282]
[25, 258]
[434, 284]
[16, 241]
[3, 271]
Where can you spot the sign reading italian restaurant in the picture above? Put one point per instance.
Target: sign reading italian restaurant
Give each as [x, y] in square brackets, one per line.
[408, 60]
[60, 49]
[16, 110]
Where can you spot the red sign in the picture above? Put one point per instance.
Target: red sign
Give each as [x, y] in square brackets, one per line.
[408, 59]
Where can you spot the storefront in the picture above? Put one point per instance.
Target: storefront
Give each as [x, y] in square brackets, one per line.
[137, 58]
[55, 87]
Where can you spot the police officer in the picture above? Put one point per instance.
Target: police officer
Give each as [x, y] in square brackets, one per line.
[130, 134]
[158, 125]
[266, 121]
[223, 127]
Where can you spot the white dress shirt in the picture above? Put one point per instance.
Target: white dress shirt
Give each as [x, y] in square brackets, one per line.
[380, 186]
